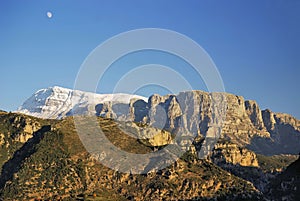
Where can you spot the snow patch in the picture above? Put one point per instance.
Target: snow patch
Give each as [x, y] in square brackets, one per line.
[58, 102]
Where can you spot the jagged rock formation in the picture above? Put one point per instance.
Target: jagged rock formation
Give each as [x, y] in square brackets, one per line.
[26, 128]
[284, 133]
[243, 120]
[231, 153]
[152, 136]
[244, 123]
[194, 113]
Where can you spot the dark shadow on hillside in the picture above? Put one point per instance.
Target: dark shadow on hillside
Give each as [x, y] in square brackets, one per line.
[265, 146]
[285, 185]
[255, 175]
[13, 165]
[254, 196]
[118, 109]
[98, 109]
[140, 110]
[286, 140]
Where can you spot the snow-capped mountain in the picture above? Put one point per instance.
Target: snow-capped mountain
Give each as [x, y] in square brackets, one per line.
[57, 102]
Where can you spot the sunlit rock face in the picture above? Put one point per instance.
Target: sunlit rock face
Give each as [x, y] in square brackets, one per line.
[24, 127]
[232, 154]
[242, 122]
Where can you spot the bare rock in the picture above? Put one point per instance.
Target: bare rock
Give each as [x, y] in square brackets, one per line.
[233, 154]
[25, 128]
[254, 113]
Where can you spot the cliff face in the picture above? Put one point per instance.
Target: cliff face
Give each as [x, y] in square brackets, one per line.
[231, 153]
[195, 113]
[26, 128]
[192, 113]
[243, 122]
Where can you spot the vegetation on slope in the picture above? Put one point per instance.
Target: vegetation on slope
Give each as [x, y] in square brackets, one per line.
[53, 164]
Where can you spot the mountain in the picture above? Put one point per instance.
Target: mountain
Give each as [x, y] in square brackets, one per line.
[193, 112]
[57, 102]
[44, 159]
[243, 122]
[253, 145]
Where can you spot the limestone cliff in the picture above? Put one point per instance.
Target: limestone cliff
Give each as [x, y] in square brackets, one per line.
[196, 112]
[25, 128]
[190, 113]
[231, 153]
[151, 136]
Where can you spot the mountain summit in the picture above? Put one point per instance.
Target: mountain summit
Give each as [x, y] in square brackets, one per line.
[57, 102]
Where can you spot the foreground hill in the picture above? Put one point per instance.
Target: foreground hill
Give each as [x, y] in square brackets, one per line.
[286, 185]
[44, 159]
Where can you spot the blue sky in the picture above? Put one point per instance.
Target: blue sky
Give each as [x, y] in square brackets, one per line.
[254, 44]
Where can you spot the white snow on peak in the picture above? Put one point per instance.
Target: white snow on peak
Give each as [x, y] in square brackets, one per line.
[58, 102]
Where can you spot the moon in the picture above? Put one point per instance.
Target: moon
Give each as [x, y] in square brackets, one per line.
[49, 14]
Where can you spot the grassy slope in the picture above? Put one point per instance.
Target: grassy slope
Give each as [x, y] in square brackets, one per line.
[58, 166]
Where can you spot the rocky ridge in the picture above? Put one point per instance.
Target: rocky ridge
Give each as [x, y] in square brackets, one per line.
[243, 122]
[194, 113]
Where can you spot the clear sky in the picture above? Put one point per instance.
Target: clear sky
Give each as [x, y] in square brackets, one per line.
[254, 44]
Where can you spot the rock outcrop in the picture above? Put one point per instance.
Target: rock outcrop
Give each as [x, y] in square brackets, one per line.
[25, 127]
[2, 139]
[233, 154]
[150, 136]
[254, 113]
